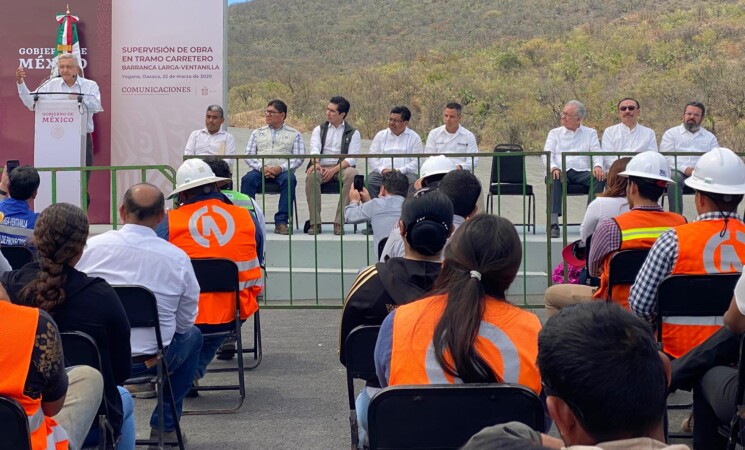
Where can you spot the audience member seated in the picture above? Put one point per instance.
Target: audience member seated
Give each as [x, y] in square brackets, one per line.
[573, 137]
[135, 255]
[709, 244]
[78, 302]
[426, 222]
[647, 174]
[452, 137]
[397, 139]
[466, 331]
[462, 188]
[610, 203]
[433, 171]
[276, 138]
[17, 219]
[382, 212]
[207, 225]
[34, 375]
[212, 139]
[339, 142]
[615, 401]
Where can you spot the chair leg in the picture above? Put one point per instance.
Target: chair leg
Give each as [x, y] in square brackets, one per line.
[257, 349]
[353, 429]
[531, 199]
[488, 198]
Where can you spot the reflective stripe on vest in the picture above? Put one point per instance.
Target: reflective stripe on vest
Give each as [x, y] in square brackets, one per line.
[683, 333]
[642, 233]
[213, 229]
[56, 435]
[17, 231]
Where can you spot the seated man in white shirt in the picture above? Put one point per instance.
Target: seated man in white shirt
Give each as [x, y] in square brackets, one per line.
[396, 139]
[628, 135]
[453, 138]
[68, 85]
[212, 139]
[572, 137]
[135, 255]
[382, 212]
[686, 137]
[337, 138]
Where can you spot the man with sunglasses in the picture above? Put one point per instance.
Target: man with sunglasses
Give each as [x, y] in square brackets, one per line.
[686, 137]
[628, 135]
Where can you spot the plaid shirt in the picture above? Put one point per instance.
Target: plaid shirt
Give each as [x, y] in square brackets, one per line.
[607, 239]
[659, 264]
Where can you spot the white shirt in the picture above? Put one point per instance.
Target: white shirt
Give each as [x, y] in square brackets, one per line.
[201, 142]
[385, 142]
[599, 209]
[332, 146]
[621, 138]
[440, 141]
[678, 139]
[740, 294]
[135, 255]
[89, 89]
[562, 140]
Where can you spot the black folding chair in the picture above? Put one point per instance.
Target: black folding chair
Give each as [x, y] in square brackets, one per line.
[80, 349]
[359, 356]
[446, 416]
[692, 296]
[17, 255]
[272, 187]
[736, 429]
[141, 307]
[623, 268]
[14, 431]
[507, 178]
[221, 275]
[381, 246]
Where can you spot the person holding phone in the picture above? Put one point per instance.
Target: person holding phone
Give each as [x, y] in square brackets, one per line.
[17, 220]
[382, 212]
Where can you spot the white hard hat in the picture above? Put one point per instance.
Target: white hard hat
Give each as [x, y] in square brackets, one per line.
[649, 164]
[194, 173]
[720, 171]
[435, 165]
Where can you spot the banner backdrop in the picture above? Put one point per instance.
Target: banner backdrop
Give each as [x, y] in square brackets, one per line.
[29, 36]
[167, 68]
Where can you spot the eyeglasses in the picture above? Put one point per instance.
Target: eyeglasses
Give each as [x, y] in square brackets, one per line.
[690, 114]
[566, 114]
[392, 120]
[271, 113]
[627, 108]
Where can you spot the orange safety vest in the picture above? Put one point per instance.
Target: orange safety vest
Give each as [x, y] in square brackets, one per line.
[702, 251]
[214, 229]
[507, 342]
[640, 228]
[17, 336]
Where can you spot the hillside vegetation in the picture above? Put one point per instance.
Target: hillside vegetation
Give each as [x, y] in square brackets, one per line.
[511, 64]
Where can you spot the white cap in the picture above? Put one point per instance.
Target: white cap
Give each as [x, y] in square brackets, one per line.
[650, 165]
[194, 173]
[720, 171]
[435, 165]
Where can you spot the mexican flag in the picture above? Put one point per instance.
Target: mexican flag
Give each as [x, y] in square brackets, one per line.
[67, 39]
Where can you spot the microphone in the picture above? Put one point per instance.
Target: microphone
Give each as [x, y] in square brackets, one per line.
[36, 92]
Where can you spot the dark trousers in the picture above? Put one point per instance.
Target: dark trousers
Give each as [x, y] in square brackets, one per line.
[574, 177]
[713, 405]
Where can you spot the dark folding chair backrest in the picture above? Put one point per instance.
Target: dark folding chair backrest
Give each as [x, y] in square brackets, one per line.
[446, 416]
[216, 275]
[624, 266]
[694, 295]
[332, 187]
[507, 169]
[381, 246]
[80, 349]
[359, 355]
[14, 430]
[141, 307]
[17, 255]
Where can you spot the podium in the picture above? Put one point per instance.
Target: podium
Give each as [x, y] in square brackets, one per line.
[59, 141]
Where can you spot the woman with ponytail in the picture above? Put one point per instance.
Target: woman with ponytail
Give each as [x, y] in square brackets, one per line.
[466, 331]
[77, 302]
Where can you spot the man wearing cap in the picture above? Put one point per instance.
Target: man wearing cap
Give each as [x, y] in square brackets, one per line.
[686, 137]
[637, 229]
[207, 225]
[453, 138]
[710, 244]
[627, 135]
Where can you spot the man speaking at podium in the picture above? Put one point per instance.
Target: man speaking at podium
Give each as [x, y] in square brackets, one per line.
[70, 83]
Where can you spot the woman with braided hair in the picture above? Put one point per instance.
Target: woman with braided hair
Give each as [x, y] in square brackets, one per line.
[466, 331]
[78, 302]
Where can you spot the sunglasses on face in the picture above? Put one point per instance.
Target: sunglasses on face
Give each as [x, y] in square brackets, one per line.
[627, 108]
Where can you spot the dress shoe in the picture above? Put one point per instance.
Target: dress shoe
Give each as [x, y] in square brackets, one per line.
[168, 436]
[555, 232]
[338, 229]
[226, 352]
[282, 228]
[141, 390]
[314, 229]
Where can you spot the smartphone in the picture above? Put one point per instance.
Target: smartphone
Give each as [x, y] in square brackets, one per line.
[359, 182]
[12, 164]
